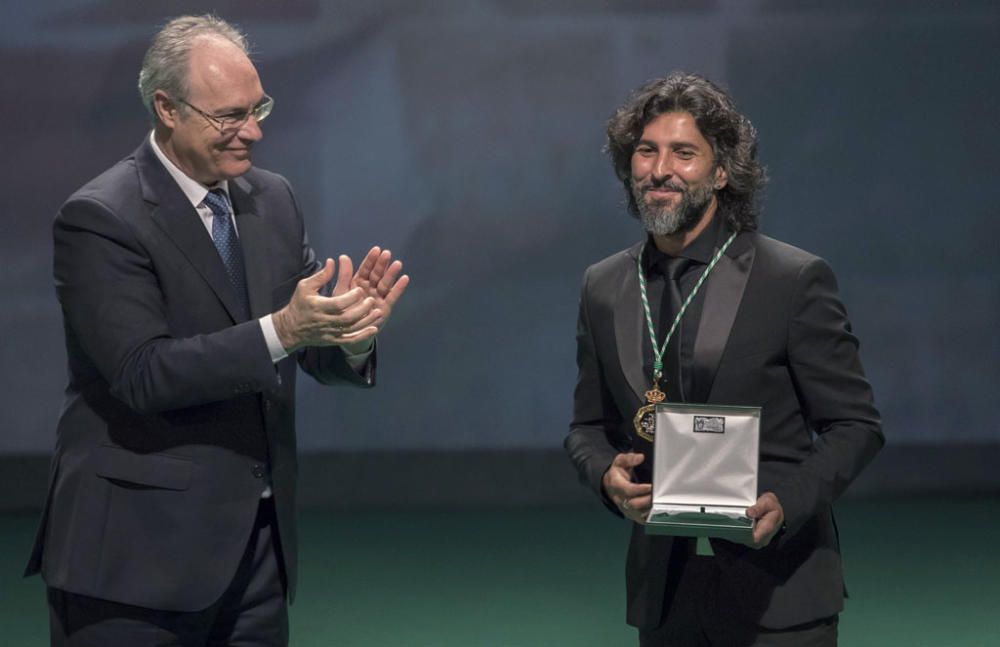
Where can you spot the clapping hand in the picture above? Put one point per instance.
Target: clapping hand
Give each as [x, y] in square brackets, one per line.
[358, 308]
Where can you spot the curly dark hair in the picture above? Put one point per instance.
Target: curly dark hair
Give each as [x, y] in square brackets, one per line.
[732, 136]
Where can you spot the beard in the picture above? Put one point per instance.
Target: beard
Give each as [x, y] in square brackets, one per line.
[664, 220]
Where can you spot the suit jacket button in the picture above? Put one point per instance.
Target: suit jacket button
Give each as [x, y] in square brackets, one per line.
[257, 471]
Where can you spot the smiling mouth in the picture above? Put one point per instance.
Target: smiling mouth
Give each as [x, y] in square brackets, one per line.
[659, 193]
[662, 186]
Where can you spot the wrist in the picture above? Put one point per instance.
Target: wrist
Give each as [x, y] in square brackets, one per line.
[359, 347]
[282, 328]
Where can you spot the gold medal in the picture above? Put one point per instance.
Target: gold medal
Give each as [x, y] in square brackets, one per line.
[645, 417]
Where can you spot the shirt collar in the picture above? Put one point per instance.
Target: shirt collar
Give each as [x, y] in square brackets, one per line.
[193, 189]
[702, 248]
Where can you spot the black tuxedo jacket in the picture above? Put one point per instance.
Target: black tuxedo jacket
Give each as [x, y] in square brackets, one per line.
[773, 334]
[175, 416]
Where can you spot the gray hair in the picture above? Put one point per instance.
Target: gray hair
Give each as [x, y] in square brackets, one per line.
[165, 66]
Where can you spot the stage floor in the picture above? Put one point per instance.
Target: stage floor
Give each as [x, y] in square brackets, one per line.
[919, 572]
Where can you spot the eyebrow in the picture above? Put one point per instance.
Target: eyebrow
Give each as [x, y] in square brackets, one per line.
[222, 112]
[673, 145]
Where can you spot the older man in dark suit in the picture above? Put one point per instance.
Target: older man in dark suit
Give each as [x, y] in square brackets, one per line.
[189, 292]
[765, 329]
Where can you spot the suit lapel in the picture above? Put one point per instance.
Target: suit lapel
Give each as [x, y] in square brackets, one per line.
[175, 216]
[253, 240]
[630, 334]
[723, 293]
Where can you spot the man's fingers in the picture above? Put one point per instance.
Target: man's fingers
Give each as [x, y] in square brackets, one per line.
[358, 316]
[638, 494]
[381, 263]
[766, 503]
[388, 277]
[760, 529]
[388, 280]
[397, 290]
[635, 459]
[368, 262]
[764, 529]
[768, 515]
[349, 338]
[372, 319]
[628, 460]
[620, 483]
[640, 503]
[636, 508]
[335, 332]
[315, 282]
[620, 475]
[337, 305]
[345, 272]
[345, 314]
[634, 490]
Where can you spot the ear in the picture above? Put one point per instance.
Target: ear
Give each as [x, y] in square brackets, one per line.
[721, 178]
[165, 108]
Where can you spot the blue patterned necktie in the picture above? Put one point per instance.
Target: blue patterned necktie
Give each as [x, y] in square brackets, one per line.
[228, 243]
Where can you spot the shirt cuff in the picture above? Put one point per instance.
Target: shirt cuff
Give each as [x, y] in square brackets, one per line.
[357, 360]
[274, 346]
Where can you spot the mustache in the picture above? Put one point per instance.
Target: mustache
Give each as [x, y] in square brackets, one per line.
[663, 185]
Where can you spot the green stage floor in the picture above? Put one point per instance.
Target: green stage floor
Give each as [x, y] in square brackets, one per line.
[920, 572]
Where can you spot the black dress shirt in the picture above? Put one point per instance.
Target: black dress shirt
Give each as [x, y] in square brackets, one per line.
[677, 374]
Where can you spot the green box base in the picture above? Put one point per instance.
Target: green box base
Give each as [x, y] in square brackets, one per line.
[698, 524]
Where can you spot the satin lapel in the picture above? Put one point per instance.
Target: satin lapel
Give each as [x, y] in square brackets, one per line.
[630, 334]
[723, 294]
[182, 224]
[253, 240]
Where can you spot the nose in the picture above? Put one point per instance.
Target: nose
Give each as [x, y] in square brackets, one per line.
[250, 131]
[663, 166]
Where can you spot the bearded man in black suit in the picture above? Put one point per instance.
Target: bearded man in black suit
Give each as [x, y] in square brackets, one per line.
[766, 329]
[189, 293]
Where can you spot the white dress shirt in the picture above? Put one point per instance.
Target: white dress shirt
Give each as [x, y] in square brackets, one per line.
[196, 192]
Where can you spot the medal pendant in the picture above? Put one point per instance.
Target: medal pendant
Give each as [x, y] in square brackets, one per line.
[645, 422]
[645, 417]
[655, 395]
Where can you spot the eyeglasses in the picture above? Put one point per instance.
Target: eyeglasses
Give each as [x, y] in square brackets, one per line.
[230, 123]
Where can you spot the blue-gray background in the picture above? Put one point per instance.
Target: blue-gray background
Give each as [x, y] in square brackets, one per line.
[466, 137]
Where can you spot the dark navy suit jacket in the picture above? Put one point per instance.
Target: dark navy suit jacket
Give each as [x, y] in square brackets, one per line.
[175, 417]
